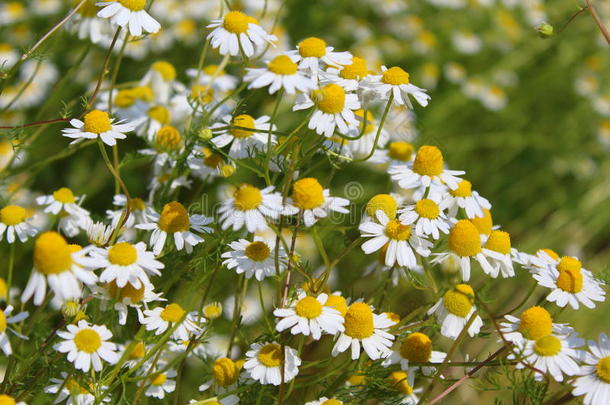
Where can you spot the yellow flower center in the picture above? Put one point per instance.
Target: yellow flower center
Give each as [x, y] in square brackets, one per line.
[212, 311]
[168, 138]
[398, 380]
[357, 379]
[307, 193]
[138, 351]
[72, 386]
[337, 302]
[88, 9]
[464, 239]
[129, 291]
[483, 224]
[2, 321]
[499, 241]
[88, 341]
[97, 121]
[202, 94]
[547, 346]
[428, 161]
[356, 71]
[282, 65]
[125, 98]
[12, 215]
[247, 197]
[245, 121]
[383, 202]
[133, 5]
[52, 254]
[213, 70]
[3, 289]
[427, 208]
[400, 150]
[144, 93]
[359, 321]
[237, 22]
[395, 76]
[329, 99]
[159, 379]
[464, 189]
[570, 279]
[258, 251]
[270, 355]
[551, 253]
[459, 300]
[136, 204]
[64, 195]
[174, 218]
[308, 307]
[172, 313]
[213, 161]
[392, 316]
[397, 231]
[160, 114]
[569, 263]
[122, 254]
[536, 322]
[7, 400]
[603, 369]
[312, 47]
[417, 348]
[332, 401]
[225, 372]
[165, 69]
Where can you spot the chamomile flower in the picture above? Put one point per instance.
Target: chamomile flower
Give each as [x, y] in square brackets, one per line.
[498, 250]
[174, 220]
[264, 363]
[454, 310]
[208, 165]
[249, 207]
[62, 200]
[246, 136]
[465, 244]
[8, 400]
[87, 345]
[56, 263]
[161, 78]
[533, 324]
[333, 109]
[280, 73]
[396, 81]
[403, 383]
[309, 197]
[396, 153]
[86, 24]
[311, 51]
[5, 320]
[69, 390]
[594, 377]
[15, 220]
[397, 239]
[215, 77]
[349, 76]
[555, 354]
[137, 211]
[363, 327]
[129, 296]
[225, 373]
[162, 318]
[256, 258]
[571, 284]
[325, 401]
[415, 348]
[309, 316]
[425, 171]
[236, 31]
[464, 197]
[161, 383]
[129, 14]
[97, 124]
[426, 216]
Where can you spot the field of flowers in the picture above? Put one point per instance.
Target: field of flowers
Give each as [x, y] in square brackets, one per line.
[304, 202]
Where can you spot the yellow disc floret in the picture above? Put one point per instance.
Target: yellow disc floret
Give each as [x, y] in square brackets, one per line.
[464, 189]
[308, 307]
[459, 300]
[128, 291]
[427, 208]
[395, 76]
[312, 47]
[138, 351]
[64, 195]
[97, 122]
[356, 71]
[428, 161]
[258, 251]
[399, 381]
[499, 241]
[337, 302]
[88, 9]
[332, 401]
[159, 379]
[2, 322]
[213, 310]
[165, 69]
[383, 202]
[174, 218]
[52, 254]
[397, 231]
[247, 197]
[464, 239]
[282, 65]
[12, 215]
[87, 340]
[125, 98]
[270, 355]
[551, 253]
[603, 369]
[569, 263]
[122, 254]
[400, 150]
[168, 138]
[307, 193]
[225, 372]
[160, 114]
[202, 94]
[172, 313]
[7, 400]
[237, 22]
[570, 275]
[547, 346]
[485, 223]
[133, 5]
[359, 321]
[245, 121]
[417, 348]
[329, 99]
[536, 322]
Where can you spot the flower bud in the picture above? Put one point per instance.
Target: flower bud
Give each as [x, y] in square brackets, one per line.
[545, 30]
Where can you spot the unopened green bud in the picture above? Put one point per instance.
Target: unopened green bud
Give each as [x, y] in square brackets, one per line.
[205, 134]
[545, 30]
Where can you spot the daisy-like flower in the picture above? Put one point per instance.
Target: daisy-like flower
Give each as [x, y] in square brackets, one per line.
[403, 383]
[252, 136]
[87, 345]
[214, 77]
[395, 81]
[280, 73]
[175, 220]
[237, 30]
[129, 296]
[426, 216]
[310, 315]
[464, 197]
[161, 383]
[16, 221]
[555, 354]
[137, 211]
[7, 399]
[86, 25]
[225, 373]
[5, 320]
[425, 171]
[162, 318]
[56, 262]
[500, 254]
[64, 201]
[69, 390]
[125, 263]
[571, 284]
[454, 310]
[464, 245]
[325, 401]
[249, 207]
[363, 327]
[309, 197]
[97, 124]
[333, 108]
[415, 348]
[264, 363]
[349, 76]
[533, 324]
[311, 51]
[594, 376]
[130, 14]
[256, 258]
[395, 238]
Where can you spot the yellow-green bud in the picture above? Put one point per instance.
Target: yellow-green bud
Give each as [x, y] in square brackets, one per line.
[545, 30]
[205, 134]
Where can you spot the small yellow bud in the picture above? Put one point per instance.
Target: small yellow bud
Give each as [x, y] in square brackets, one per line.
[205, 134]
[545, 30]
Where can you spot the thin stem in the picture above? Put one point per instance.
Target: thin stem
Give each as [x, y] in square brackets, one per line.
[378, 134]
[598, 21]
[9, 276]
[103, 72]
